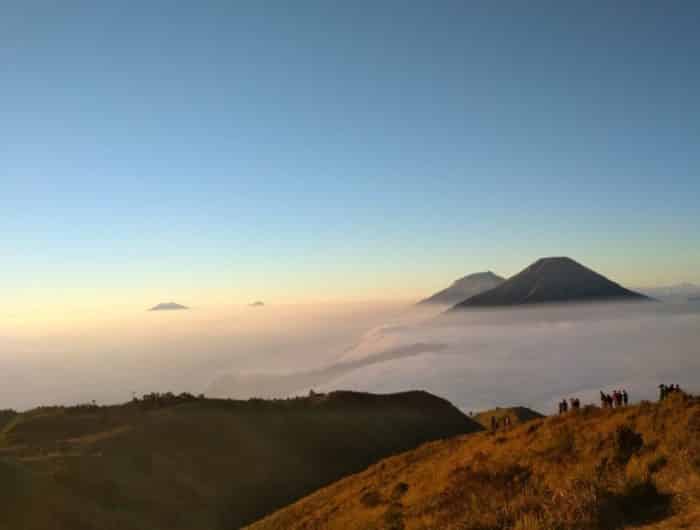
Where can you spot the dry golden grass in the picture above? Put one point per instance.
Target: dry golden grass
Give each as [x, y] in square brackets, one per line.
[636, 467]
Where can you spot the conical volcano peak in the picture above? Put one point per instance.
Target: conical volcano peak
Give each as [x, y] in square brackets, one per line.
[556, 262]
[551, 279]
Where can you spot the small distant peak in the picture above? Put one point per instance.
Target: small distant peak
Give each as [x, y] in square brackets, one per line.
[169, 306]
[479, 275]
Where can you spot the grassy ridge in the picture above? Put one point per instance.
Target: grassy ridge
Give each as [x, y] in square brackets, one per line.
[517, 415]
[199, 463]
[637, 467]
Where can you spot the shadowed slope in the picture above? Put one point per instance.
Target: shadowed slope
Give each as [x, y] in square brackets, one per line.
[634, 467]
[180, 463]
[552, 280]
[464, 288]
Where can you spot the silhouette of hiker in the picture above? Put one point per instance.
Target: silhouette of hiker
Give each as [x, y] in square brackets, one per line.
[625, 397]
[662, 392]
[506, 422]
[494, 423]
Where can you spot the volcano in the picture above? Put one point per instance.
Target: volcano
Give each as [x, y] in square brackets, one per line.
[557, 279]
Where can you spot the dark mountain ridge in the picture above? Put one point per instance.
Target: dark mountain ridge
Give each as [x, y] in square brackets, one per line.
[181, 462]
[555, 279]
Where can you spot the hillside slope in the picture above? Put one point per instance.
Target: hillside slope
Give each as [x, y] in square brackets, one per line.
[464, 288]
[187, 463]
[557, 279]
[517, 416]
[636, 467]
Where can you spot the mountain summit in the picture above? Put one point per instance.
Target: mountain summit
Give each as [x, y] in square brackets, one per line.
[557, 279]
[463, 288]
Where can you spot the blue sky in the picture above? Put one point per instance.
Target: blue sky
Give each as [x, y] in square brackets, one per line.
[238, 150]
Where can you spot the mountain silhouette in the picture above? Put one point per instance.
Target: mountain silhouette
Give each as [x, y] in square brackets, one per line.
[464, 288]
[557, 279]
[168, 306]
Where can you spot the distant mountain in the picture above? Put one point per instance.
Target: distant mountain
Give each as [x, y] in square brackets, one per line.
[464, 288]
[257, 303]
[168, 306]
[677, 292]
[558, 279]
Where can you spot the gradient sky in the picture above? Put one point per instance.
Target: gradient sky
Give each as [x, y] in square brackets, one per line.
[213, 152]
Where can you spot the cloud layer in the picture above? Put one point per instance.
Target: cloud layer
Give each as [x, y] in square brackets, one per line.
[476, 359]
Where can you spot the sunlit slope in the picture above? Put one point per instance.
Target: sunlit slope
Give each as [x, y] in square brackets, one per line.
[200, 464]
[637, 467]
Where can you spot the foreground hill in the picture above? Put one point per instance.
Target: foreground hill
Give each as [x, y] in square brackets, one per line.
[551, 280]
[635, 467]
[171, 462]
[464, 288]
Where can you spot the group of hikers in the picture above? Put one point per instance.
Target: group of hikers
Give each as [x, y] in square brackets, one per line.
[564, 405]
[505, 420]
[619, 398]
[665, 390]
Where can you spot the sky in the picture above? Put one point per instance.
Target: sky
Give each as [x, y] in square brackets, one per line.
[225, 152]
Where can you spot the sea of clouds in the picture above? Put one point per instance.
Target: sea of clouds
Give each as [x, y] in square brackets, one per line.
[476, 359]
